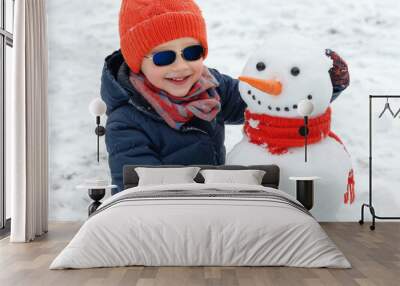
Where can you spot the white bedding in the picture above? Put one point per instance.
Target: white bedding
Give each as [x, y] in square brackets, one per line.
[182, 231]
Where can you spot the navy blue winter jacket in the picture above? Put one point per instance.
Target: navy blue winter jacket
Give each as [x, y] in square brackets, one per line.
[136, 134]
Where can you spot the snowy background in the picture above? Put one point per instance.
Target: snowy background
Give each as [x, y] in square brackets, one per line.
[365, 33]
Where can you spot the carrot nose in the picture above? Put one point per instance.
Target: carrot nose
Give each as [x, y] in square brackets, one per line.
[272, 87]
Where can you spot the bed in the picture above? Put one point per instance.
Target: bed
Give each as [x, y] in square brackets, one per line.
[201, 224]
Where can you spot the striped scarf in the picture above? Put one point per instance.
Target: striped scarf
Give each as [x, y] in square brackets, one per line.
[202, 100]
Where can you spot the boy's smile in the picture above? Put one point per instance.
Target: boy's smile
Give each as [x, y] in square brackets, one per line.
[178, 77]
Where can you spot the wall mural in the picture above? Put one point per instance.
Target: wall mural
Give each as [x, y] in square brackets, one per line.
[247, 41]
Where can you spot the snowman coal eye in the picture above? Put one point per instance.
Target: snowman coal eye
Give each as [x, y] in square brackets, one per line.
[295, 71]
[260, 66]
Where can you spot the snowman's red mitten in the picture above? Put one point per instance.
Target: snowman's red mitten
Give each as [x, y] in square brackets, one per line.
[339, 73]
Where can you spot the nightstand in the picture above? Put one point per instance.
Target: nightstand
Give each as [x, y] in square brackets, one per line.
[305, 190]
[96, 190]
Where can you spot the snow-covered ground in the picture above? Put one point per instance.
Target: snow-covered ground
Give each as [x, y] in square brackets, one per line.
[365, 33]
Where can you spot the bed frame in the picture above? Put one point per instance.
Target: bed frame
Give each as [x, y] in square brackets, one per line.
[270, 179]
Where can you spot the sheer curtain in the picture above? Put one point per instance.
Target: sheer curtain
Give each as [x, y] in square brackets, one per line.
[27, 123]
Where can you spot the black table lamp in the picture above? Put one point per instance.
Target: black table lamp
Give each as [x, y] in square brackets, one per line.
[97, 186]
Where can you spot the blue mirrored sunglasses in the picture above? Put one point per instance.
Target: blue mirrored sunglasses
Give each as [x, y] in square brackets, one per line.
[164, 58]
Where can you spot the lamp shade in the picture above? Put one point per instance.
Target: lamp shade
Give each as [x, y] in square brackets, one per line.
[97, 107]
[305, 107]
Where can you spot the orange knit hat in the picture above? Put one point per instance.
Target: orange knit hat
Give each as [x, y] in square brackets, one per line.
[145, 24]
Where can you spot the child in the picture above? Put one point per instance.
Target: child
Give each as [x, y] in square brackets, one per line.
[164, 106]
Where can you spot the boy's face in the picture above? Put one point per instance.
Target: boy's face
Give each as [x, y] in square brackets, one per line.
[178, 77]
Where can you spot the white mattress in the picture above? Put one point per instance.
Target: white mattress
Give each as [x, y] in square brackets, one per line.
[183, 231]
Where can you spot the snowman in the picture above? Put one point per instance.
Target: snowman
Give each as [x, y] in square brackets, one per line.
[280, 84]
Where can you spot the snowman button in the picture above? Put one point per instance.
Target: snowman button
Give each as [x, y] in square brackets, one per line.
[303, 131]
[295, 71]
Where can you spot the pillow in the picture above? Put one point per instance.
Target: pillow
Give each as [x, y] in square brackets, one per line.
[248, 177]
[163, 176]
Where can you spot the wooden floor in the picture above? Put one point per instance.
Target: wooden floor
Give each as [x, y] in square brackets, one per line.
[374, 255]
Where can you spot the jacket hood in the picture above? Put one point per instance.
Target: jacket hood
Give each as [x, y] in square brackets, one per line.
[116, 90]
[111, 91]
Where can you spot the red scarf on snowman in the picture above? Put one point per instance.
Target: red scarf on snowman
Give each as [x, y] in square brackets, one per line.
[278, 134]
